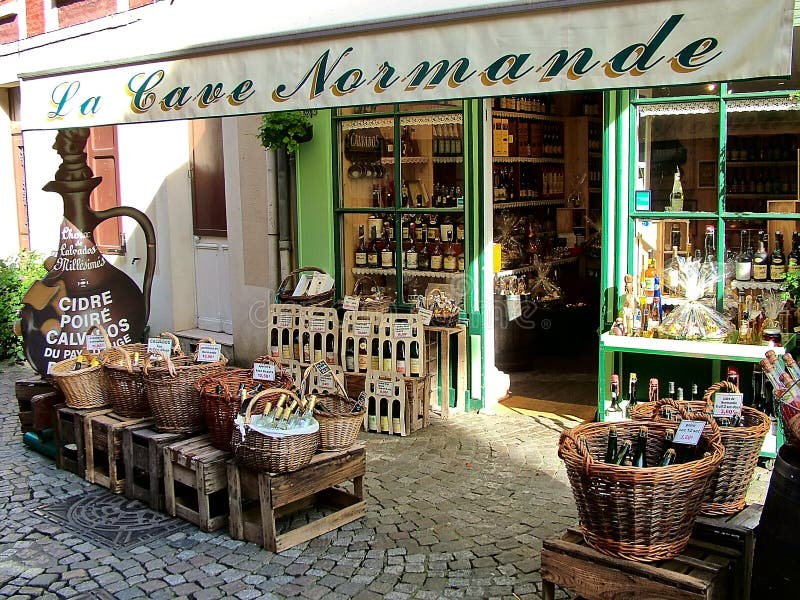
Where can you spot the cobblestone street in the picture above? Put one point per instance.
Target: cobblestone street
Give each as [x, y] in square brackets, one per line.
[457, 510]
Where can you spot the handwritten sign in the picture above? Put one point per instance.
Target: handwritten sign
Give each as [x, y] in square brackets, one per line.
[318, 325]
[156, 344]
[322, 367]
[689, 432]
[384, 388]
[95, 342]
[326, 381]
[208, 353]
[514, 305]
[284, 321]
[426, 315]
[402, 329]
[264, 371]
[362, 328]
[728, 404]
[350, 303]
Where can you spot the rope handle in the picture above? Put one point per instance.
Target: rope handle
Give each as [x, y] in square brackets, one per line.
[85, 350]
[307, 377]
[724, 386]
[271, 392]
[683, 409]
[176, 344]
[360, 282]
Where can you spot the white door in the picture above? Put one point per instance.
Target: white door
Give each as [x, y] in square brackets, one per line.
[212, 284]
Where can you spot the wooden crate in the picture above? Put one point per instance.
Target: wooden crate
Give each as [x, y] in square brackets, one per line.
[43, 408]
[257, 500]
[143, 455]
[412, 394]
[196, 482]
[702, 572]
[738, 533]
[102, 434]
[25, 390]
[69, 436]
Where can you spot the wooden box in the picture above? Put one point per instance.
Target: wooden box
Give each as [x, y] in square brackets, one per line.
[102, 434]
[701, 572]
[143, 455]
[410, 394]
[196, 482]
[257, 500]
[69, 436]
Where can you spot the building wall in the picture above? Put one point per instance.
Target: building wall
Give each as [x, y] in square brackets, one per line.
[9, 232]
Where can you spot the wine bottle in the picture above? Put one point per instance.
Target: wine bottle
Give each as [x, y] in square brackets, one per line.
[373, 254]
[296, 345]
[411, 261]
[611, 445]
[361, 249]
[282, 422]
[363, 361]
[308, 413]
[306, 348]
[640, 454]
[650, 276]
[777, 262]
[744, 261]
[274, 349]
[276, 412]
[414, 360]
[615, 407]
[349, 357]
[396, 426]
[400, 363]
[667, 458]
[384, 415]
[761, 260]
[317, 347]
[793, 262]
[676, 197]
[437, 256]
[387, 356]
[450, 261]
[387, 252]
[372, 417]
[330, 356]
[375, 359]
[424, 257]
[623, 452]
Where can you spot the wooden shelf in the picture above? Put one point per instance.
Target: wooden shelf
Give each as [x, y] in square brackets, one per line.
[515, 114]
[408, 160]
[406, 273]
[528, 203]
[528, 160]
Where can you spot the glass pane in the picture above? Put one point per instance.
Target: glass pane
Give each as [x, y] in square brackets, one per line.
[368, 253]
[366, 109]
[676, 91]
[761, 155]
[679, 139]
[366, 178]
[423, 106]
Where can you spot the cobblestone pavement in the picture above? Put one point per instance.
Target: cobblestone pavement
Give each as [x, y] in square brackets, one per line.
[457, 510]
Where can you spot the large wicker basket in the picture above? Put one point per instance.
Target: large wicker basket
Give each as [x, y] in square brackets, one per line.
[220, 409]
[122, 366]
[172, 393]
[339, 417]
[728, 489]
[284, 293]
[272, 453]
[85, 388]
[642, 514]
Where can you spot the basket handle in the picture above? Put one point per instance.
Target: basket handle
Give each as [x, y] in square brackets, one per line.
[725, 386]
[269, 359]
[307, 377]
[360, 283]
[102, 331]
[284, 283]
[682, 409]
[176, 344]
[271, 392]
[568, 436]
[170, 365]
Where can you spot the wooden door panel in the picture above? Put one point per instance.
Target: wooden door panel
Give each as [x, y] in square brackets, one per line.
[208, 178]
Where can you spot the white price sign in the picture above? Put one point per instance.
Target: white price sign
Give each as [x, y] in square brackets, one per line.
[728, 404]
[322, 367]
[162, 344]
[284, 321]
[95, 342]
[318, 325]
[362, 328]
[384, 388]
[208, 352]
[350, 303]
[514, 306]
[326, 381]
[264, 371]
[689, 432]
[402, 330]
[425, 315]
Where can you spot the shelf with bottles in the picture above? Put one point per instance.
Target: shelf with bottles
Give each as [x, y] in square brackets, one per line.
[408, 272]
[556, 262]
[501, 205]
[519, 182]
[528, 160]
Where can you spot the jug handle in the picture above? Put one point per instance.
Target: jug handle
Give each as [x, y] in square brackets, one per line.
[150, 238]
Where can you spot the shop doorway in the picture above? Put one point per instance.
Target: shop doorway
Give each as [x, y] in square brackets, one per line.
[547, 192]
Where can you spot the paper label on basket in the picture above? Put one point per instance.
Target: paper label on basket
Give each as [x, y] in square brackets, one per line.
[162, 344]
[284, 321]
[402, 329]
[689, 432]
[514, 306]
[264, 371]
[326, 381]
[384, 388]
[322, 367]
[425, 315]
[208, 352]
[362, 328]
[728, 404]
[95, 342]
[350, 303]
[318, 325]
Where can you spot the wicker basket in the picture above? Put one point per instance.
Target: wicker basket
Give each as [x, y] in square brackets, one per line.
[338, 423]
[728, 488]
[124, 378]
[85, 388]
[260, 451]
[368, 300]
[172, 393]
[789, 415]
[284, 293]
[641, 514]
[219, 410]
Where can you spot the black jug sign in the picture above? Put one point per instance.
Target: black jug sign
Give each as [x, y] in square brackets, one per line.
[82, 288]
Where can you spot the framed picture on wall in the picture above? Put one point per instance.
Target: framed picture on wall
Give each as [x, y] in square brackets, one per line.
[706, 174]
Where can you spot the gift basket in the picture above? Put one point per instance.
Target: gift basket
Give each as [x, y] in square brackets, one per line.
[638, 513]
[306, 286]
[122, 366]
[693, 320]
[742, 439]
[542, 289]
[783, 374]
[81, 379]
[221, 397]
[170, 387]
[339, 417]
[266, 439]
[445, 304]
[509, 232]
[370, 296]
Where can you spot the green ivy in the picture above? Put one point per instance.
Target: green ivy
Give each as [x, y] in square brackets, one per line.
[285, 130]
[17, 274]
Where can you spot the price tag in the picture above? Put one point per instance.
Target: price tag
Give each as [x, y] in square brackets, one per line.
[402, 330]
[208, 352]
[689, 432]
[385, 388]
[264, 371]
[95, 342]
[350, 303]
[318, 325]
[326, 381]
[284, 321]
[362, 328]
[162, 344]
[322, 367]
[728, 405]
[425, 315]
[514, 305]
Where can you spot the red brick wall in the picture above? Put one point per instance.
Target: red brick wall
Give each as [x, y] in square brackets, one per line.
[138, 3]
[72, 12]
[35, 11]
[9, 31]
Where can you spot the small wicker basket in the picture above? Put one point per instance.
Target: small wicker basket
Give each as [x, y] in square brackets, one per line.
[86, 387]
[284, 293]
[339, 417]
[370, 300]
[272, 453]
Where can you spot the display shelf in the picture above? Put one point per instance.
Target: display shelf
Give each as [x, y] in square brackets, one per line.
[529, 268]
[407, 273]
[515, 114]
[756, 285]
[408, 160]
[529, 203]
[448, 160]
[658, 214]
[534, 160]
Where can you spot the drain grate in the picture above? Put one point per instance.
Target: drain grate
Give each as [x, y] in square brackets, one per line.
[110, 520]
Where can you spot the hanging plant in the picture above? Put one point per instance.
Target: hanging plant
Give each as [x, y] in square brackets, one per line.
[285, 130]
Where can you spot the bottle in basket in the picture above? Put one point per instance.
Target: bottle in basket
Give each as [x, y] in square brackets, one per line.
[79, 362]
[283, 421]
[611, 446]
[668, 458]
[615, 407]
[619, 459]
[276, 412]
[261, 420]
[308, 413]
[640, 454]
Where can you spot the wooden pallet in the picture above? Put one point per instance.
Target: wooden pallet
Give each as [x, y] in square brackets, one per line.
[257, 500]
[143, 455]
[702, 572]
[102, 434]
[69, 436]
[196, 482]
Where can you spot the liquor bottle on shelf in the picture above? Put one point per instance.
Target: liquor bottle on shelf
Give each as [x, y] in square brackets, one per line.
[777, 262]
[405, 195]
[709, 267]
[373, 254]
[375, 361]
[761, 260]
[450, 261]
[672, 274]
[361, 249]
[675, 236]
[437, 256]
[434, 230]
[424, 256]
[447, 229]
[615, 407]
[611, 444]
[461, 259]
[372, 417]
[387, 252]
[650, 276]
[640, 454]
[676, 197]
[363, 359]
[384, 408]
[411, 256]
[793, 262]
[744, 261]
[387, 356]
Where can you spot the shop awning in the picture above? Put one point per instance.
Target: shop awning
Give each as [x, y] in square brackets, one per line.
[315, 54]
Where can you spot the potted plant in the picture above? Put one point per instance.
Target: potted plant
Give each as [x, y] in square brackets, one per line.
[285, 130]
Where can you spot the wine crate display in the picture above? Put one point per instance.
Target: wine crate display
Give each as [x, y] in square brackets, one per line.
[102, 434]
[258, 500]
[402, 345]
[284, 332]
[143, 455]
[195, 482]
[319, 335]
[69, 436]
[358, 326]
[396, 405]
[701, 572]
[25, 390]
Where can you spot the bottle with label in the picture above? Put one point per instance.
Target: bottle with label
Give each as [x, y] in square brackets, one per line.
[361, 249]
[387, 356]
[437, 256]
[274, 348]
[640, 454]
[387, 252]
[372, 416]
[414, 362]
[400, 362]
[286, 345]
[450, 261]
[363, 359]
[349, 357]
[761, 260]
[396, 425]
[611, 444]
[384, 415]
[650, 276]
[434, 230]
[306, 348]
[447, 228]
[374, 358]
[676, 197]
[744, 261]
[318, 347]
[79, 362]
[373, 253]
[411, 256]
[777, 262]
[424, 256]
[793, 261]
[296, 345]
[330, 357]
[672, 273]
